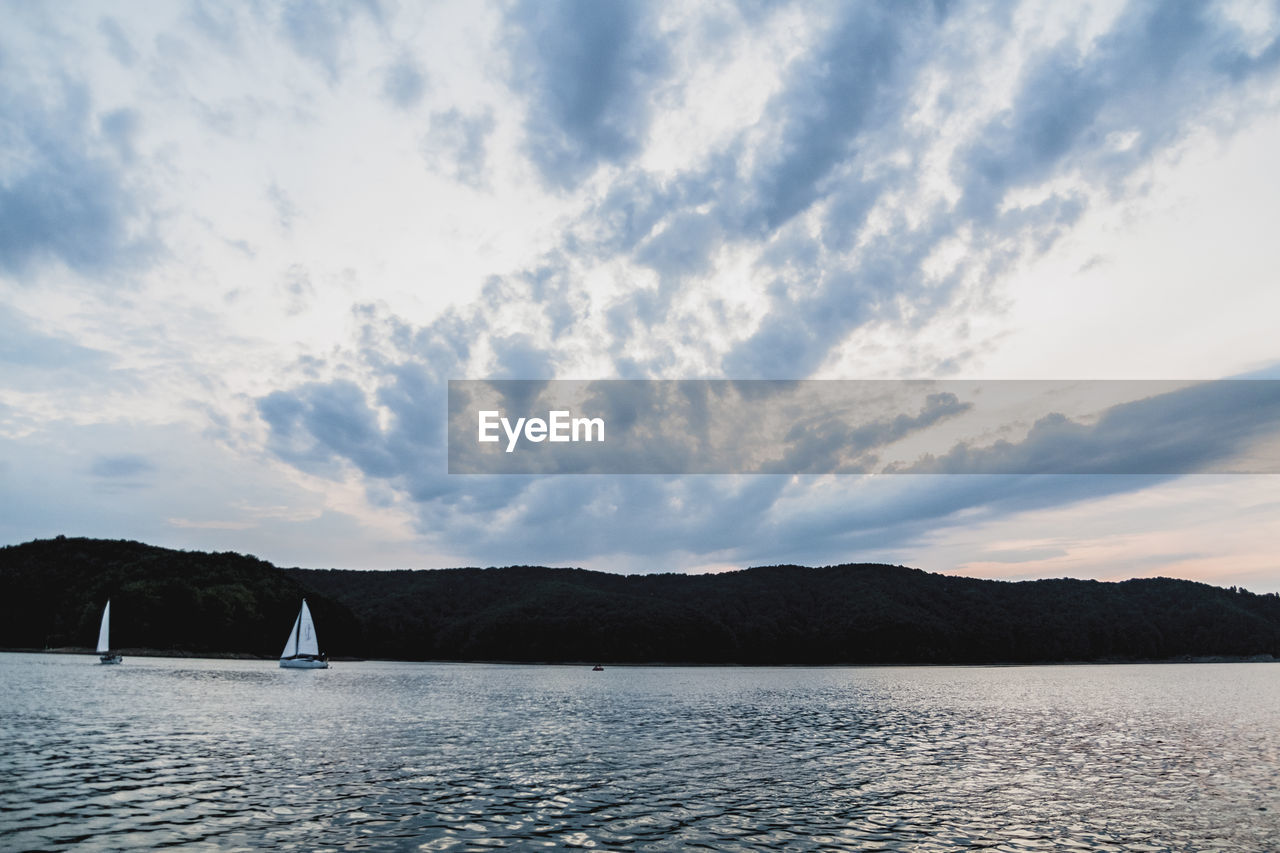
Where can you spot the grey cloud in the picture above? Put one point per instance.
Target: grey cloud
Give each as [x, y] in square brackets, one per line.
[23, 346]
[550, 287]
[286, 210]
[683, 246]
[837, 101]
[744, 519]
[44, 363]
[66, 198]
[319, 422]
[218, 22]
[317, 30]
[800, 331]
[839, 106]
[457, 145]
[822, 443]
[633, 206]
[848, 86]
[1151, 77]
[1266, 371]
[520, 357]
[317, 425]
[125, 465]
[566, 518]
[117, 42]
[1203, 427]
[415, 399]
[244, 247]
[404, 84]
[822, 148]
[589, 70]
[650, 519]
[847, 213]
[120, 127]
[1146, 77]
[894, 512]
[831, 139]
[298, 291]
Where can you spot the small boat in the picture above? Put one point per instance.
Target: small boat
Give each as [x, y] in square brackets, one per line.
[105, 655]
[302, 650]
[597, 668]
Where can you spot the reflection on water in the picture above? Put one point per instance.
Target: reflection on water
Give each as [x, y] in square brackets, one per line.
[237, 754]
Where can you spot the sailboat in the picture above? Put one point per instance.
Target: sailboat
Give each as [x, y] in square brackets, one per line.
[302, 650]
[105, 655]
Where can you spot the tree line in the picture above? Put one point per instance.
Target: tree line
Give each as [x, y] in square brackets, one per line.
[196, 602]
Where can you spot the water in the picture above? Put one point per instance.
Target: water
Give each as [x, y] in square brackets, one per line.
[243, 755]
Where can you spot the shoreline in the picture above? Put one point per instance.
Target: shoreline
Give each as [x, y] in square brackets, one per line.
[178, 654]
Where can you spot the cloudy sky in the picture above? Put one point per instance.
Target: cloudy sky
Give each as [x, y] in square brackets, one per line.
[243, 247]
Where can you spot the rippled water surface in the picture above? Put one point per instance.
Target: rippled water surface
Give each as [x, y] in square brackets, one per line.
[244, 755]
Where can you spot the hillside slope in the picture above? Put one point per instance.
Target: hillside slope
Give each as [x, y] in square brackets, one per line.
[863, 613]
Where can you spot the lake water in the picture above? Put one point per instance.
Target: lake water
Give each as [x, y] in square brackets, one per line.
[398, 756]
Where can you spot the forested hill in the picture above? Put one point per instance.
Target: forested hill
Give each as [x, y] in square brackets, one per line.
[865, 613]
[185, 601]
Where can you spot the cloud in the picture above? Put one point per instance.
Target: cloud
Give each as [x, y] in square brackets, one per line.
[750, 191]
[404, 84]
[850, 85]
[322, 427]
[588, 70]
[117, 42]
[519, 356]
[286, 211]
[22, 346]
[211, 525]
[318, 30]
[456, 145]
[1146, 83]
[835, 185]
[683, 246]
[65, 194]
[1198, 429]
[120, 127]
[826, 442]
[123, 466]
[319, 422]
[218, 22]
[297, 288]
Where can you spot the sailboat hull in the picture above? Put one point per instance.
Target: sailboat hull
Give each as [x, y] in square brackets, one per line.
[303, 663]
[111, 658]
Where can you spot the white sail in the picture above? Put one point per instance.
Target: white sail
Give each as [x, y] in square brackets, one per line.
[302, 650]
[104, 633]
[307, 642]
[291, 645]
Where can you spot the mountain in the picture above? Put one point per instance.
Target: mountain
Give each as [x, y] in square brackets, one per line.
[860, 613]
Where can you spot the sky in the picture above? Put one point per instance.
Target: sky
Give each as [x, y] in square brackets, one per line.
[244, 246]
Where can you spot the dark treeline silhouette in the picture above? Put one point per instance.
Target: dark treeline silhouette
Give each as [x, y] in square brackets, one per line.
[183, 601]
[864, 613]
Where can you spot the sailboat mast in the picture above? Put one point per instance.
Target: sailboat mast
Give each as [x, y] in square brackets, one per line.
[297, 629]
